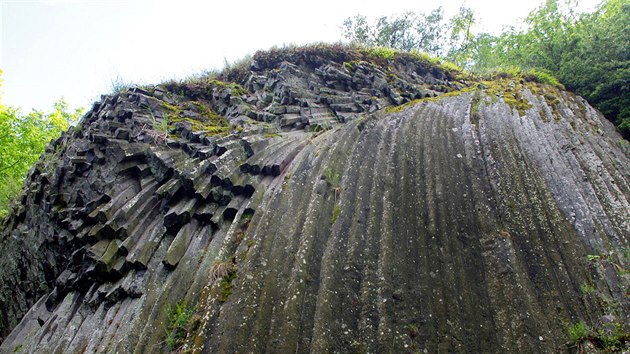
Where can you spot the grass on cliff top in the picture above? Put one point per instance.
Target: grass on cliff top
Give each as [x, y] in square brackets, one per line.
[236, 74]
[340, 53]
[316, 54]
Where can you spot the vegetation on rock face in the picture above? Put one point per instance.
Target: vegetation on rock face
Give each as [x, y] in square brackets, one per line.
[316, 54]
[23, 137]
[375, 215]
[608, 337]
[587, 52]
[180, 323]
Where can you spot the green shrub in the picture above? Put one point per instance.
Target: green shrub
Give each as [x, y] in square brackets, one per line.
[179, 325]
[544, 77]
[613, 337]
[577, 333]
[23, 138]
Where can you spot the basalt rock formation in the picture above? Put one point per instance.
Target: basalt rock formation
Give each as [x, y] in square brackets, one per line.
[324, 199]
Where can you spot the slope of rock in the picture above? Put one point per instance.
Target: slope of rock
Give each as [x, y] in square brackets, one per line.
[329, 201]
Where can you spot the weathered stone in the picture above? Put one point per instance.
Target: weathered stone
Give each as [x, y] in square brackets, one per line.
[179, 245]
[179, 214]
[456, 224]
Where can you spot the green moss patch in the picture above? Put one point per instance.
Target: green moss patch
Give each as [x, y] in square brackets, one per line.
[209, 122]
[509, 91]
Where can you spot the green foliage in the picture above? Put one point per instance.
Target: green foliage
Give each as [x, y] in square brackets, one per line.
[119, 85]
[593, 257]
[586, 288]
[613, 337]
[226, 286]
[381, 52]
[179, 325]
[237, 71]
[335, 214]
[23, 137]
[223, 271]
[587, 52]
[577, 333]
[408, 32]
[608, 337]
[331, 177]
[544, 77]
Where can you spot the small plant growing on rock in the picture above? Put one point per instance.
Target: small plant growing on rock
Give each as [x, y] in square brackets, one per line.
[578, 333]
[593, 257]
[332, 179]
[158, 130]
[225, 273]
[586, 288]
[608, 337]
[413, 331]
[180, 323]
[220, 270]
[335, 214]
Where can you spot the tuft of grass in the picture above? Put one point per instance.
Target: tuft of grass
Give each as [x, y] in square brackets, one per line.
[224, 272]
[119, 85]
[237, 71]
[159, 128]
[381, 52]
[540, 76]
[221, 269]
[543, 77]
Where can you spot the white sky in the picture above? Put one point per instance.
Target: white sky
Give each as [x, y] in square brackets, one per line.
[76, 49]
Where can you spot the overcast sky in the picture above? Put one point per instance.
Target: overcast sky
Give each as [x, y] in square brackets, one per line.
[76, 49]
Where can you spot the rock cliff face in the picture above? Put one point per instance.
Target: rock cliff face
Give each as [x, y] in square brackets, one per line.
[328, 200]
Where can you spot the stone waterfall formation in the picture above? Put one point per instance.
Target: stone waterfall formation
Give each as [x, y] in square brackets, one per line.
[328, 200]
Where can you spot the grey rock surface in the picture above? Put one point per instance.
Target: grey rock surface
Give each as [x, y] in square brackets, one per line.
[455, 223]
